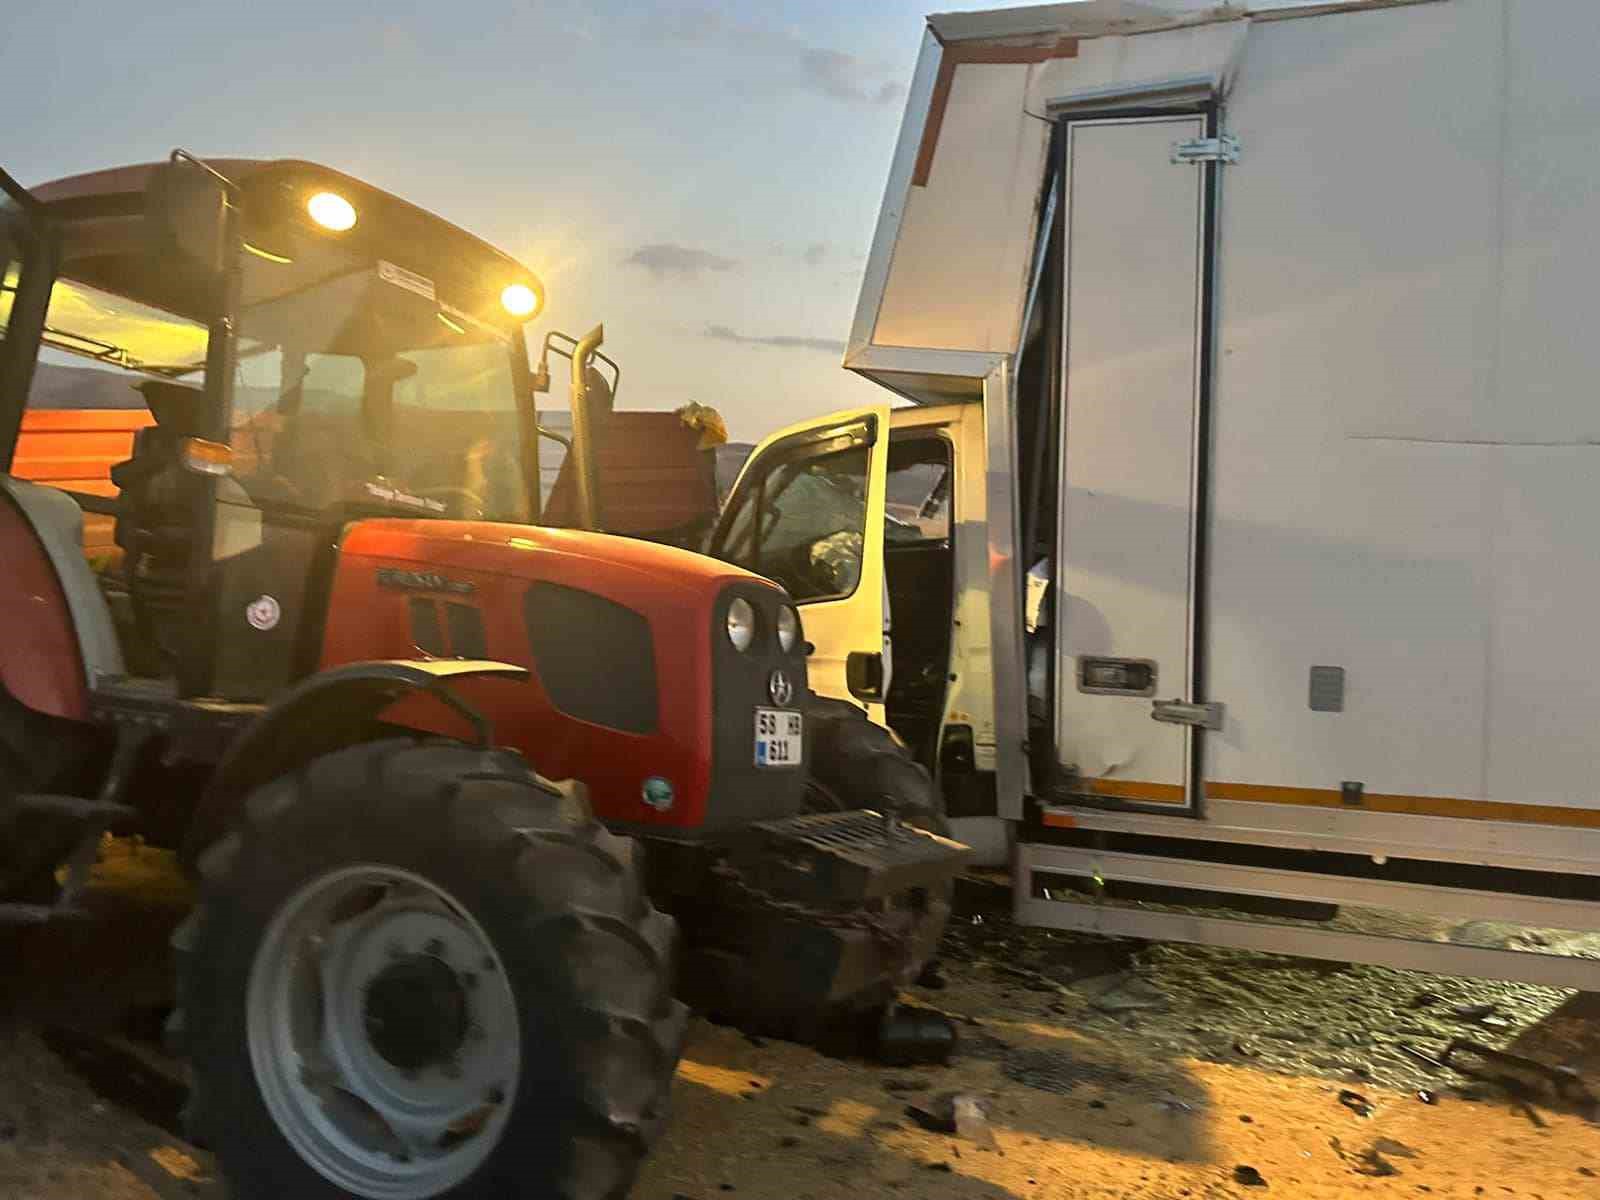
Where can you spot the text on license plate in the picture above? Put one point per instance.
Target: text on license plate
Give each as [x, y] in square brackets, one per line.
[778, 738]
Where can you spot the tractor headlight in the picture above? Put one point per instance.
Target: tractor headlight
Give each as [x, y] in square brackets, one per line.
[741, 624]
[788, 628]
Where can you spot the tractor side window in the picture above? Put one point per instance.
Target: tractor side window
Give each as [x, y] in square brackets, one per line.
[10, 260]
[802, 524]
[102, 355]
[296, 430]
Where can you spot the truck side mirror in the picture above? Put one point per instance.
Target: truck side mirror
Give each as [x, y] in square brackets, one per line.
[186, 215]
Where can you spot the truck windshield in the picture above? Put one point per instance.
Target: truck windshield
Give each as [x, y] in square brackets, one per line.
[360, 386]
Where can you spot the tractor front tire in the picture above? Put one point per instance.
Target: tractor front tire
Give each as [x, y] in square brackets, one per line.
[417, 970]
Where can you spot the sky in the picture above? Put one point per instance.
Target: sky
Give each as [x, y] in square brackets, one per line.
[704, 178]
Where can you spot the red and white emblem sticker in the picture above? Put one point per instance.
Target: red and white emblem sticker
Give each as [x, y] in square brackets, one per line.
[263, 613]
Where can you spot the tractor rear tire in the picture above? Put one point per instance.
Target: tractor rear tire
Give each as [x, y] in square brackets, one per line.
[419, 970]
[856, 763]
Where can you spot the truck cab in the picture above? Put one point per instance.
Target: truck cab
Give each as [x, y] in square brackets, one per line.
[873, 519]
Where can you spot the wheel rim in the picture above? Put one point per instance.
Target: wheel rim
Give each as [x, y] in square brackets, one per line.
[383, 1033]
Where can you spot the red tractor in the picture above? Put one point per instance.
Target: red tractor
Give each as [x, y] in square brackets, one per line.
[322, 654]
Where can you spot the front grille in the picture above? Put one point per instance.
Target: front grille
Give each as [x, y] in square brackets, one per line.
[743, 793]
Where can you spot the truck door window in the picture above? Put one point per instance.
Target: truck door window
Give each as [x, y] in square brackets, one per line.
[917, 505]
[802, 524]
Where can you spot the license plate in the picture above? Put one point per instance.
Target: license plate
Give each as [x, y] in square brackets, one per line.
[778, 738]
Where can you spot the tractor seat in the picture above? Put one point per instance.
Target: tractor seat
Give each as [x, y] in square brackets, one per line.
[156, 506]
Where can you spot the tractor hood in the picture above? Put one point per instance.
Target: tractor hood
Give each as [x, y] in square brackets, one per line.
[513, 550]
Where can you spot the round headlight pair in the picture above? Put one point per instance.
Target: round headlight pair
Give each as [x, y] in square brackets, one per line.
[742, 625]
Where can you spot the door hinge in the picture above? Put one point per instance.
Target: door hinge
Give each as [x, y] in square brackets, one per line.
[1181, 712]
[1224, 149]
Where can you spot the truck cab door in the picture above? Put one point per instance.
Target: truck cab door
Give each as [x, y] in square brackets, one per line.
[27, 270]
[807, 512]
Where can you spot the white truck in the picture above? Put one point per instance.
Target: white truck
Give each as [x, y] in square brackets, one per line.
[1240, 539]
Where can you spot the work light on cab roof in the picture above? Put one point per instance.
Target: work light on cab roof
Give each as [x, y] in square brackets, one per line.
[331, 211]
[519, 300]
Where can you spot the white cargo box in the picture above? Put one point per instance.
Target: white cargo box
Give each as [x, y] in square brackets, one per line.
[1307, 289]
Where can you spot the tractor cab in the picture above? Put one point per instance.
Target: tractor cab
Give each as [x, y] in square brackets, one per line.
[295, 350]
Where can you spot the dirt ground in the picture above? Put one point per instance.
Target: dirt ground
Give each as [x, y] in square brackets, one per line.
[1106, 1070]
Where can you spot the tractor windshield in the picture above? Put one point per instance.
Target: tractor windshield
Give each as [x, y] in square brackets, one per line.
[358, 383]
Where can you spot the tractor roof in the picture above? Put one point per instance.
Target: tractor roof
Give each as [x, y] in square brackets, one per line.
[105, 243]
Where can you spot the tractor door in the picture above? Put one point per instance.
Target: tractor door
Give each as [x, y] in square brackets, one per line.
[27, 269]
[808, 512]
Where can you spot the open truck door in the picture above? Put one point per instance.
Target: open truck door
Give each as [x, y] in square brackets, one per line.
[27, 269]
[808, 512]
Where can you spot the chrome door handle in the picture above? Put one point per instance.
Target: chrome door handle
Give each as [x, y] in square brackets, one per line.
[1182, 712]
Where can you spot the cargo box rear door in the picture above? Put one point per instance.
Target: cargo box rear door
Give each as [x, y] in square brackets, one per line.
[1128, 558]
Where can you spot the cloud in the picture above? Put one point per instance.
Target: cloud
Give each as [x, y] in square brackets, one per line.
[814, 254]
[846, 77]
[820, 69]
[782, 341]
[666, 259]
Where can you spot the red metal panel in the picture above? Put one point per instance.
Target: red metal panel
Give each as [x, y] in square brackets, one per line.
[39, 660]
[673, 589]
[653, 476]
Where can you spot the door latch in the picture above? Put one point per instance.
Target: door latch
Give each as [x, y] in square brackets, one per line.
[1224, 149]
[1181, 712]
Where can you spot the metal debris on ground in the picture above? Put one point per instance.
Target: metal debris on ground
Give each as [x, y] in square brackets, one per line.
[1393, 1148]
[932, 1119]
[1356, 1103]
[1124, 992]
[959, 1113]
[1518, 1075]
[1411, 1051]
[1371, 1162]
[972, 1122]
[1248, 1176]
[905, 1085]
[913, 1036]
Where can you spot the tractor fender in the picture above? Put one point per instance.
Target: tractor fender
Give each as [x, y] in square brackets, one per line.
[326, 712]
[61, 637]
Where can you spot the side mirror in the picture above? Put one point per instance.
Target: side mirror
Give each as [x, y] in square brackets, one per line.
[186, 214]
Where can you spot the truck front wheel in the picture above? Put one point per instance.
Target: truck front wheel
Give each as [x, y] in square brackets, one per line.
[856, 763]
[419, 970]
